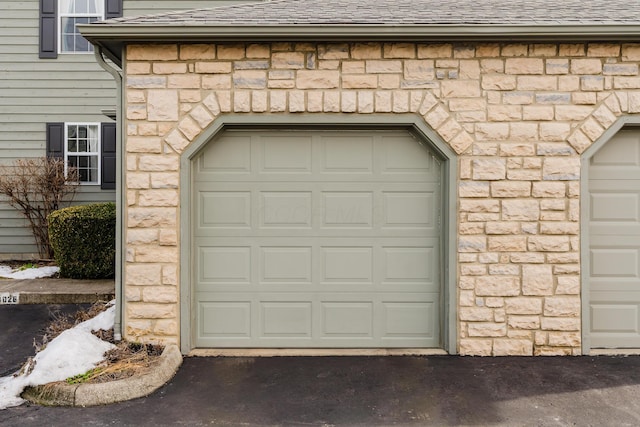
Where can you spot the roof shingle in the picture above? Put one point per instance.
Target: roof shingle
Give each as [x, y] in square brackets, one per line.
[402, 12]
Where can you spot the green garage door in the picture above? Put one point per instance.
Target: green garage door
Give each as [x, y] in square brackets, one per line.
[614, 240]
[316, 239]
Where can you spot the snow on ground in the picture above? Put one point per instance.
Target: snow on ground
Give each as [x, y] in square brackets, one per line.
[73, 352]
[28, 273]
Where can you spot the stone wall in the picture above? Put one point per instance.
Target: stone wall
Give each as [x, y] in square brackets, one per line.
[518, 115]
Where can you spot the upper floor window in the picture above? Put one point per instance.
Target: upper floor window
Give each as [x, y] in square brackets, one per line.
[59, 19]
[73, 12]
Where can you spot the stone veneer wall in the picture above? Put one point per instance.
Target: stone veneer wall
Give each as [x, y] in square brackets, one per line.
[518, 115]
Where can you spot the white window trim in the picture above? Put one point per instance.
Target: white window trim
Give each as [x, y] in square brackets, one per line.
[63, 14]
[97, 154]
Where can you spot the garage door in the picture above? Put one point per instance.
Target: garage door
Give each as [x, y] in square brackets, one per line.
[614, 239]
[316, 239]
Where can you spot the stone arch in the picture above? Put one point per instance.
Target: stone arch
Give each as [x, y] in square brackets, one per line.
[423, 102]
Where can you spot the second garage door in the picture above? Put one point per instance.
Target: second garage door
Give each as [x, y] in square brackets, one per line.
[316, 239]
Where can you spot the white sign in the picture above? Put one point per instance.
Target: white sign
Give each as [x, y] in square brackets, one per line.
[7, 298]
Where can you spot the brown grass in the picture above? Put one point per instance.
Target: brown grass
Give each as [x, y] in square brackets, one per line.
[125, 360]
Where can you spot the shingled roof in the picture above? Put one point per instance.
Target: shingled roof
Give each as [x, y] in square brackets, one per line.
[404, 12]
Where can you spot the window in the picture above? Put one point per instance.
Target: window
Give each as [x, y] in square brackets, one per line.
[82, 150]
[89, 147]
[58, 20]
[74, 12]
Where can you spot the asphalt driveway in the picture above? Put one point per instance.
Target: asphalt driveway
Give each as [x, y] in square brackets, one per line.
[365, 391]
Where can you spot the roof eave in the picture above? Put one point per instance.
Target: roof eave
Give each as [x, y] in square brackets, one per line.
[114, 36]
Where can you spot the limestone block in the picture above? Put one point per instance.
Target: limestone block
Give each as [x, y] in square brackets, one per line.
[631, 52]
[520, 210]
[507, 243]
[138, 68]
[488, 66]
[559, 227]
[314, 101]
[151, 311]
[512, 347]
[568, 83]
[202, 116]
[549, 189]
[183, 81]
[259, 101]
[136, 328]
[364, 81]
[353, 67]
[296, 101]
[146, 82]
[473, 269]
[537, 279]
[389, 81]
[476, 347]
[399, 50]
[475, 314]
[472, 244]
[504, 113]
[560, 324]
[366, 51]
[561, 168]
[143, 274]
[317, 79]
[383, 102]
[332, 102]
[476, 205]
[509, 189]
[133, 294]
[152, 253]
[549, 243]
[197, 51]
[466, 298]
[168, 237]
[383, 66]
[144, 145]
[166, 327]
[568, 285]
[165, 179]
[447, 131]
[162, 105]
[548, 83]
[487, 329]
[497, 286]
[177, 141]
[523, 131]
[251, 65]
[158, 197]
[524, 66]
[460, 88]
[435, 51]
[189, 128]
[258, 51]
[142, 236]
[420, 69]
[333, 51]
[137, 180]
[489, 169]
[250, 79]
[160, 294]
[565, 339]
[523, 322]
[502, 227]
[148, 217]
[211, 102]
[288, 60]
[562, 306]
[605, 116]
[523, 305]
[168, 68]
[153, 52]
[586, 66]
[169, 274]
[473, 189]
[554, 132]
[278, 100]
[504, 270]
[365, 102]
[231, 51]
[557, 66]
[626, 82]
[518, 98]
[213, 67]
[349, 101]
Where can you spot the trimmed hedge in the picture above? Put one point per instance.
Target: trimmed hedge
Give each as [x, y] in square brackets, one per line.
[84, 240]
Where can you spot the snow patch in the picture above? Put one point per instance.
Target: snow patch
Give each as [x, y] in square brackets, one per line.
[73, 352]
[28, 273]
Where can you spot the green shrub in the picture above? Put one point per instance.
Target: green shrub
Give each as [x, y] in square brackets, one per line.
[84, 240]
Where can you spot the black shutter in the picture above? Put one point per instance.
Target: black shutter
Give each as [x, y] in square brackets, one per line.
[112, 9]
[48, 29]
[55, 140]
[108, 156]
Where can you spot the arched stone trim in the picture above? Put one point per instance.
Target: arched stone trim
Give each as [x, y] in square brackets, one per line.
[424, 102]
[604, 114]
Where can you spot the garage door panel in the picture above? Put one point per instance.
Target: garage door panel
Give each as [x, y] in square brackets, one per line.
[229, 156]
[614, 240]
[333, 252]
[346, 154]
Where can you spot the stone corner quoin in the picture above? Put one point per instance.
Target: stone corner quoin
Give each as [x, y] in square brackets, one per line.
[517, 115]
